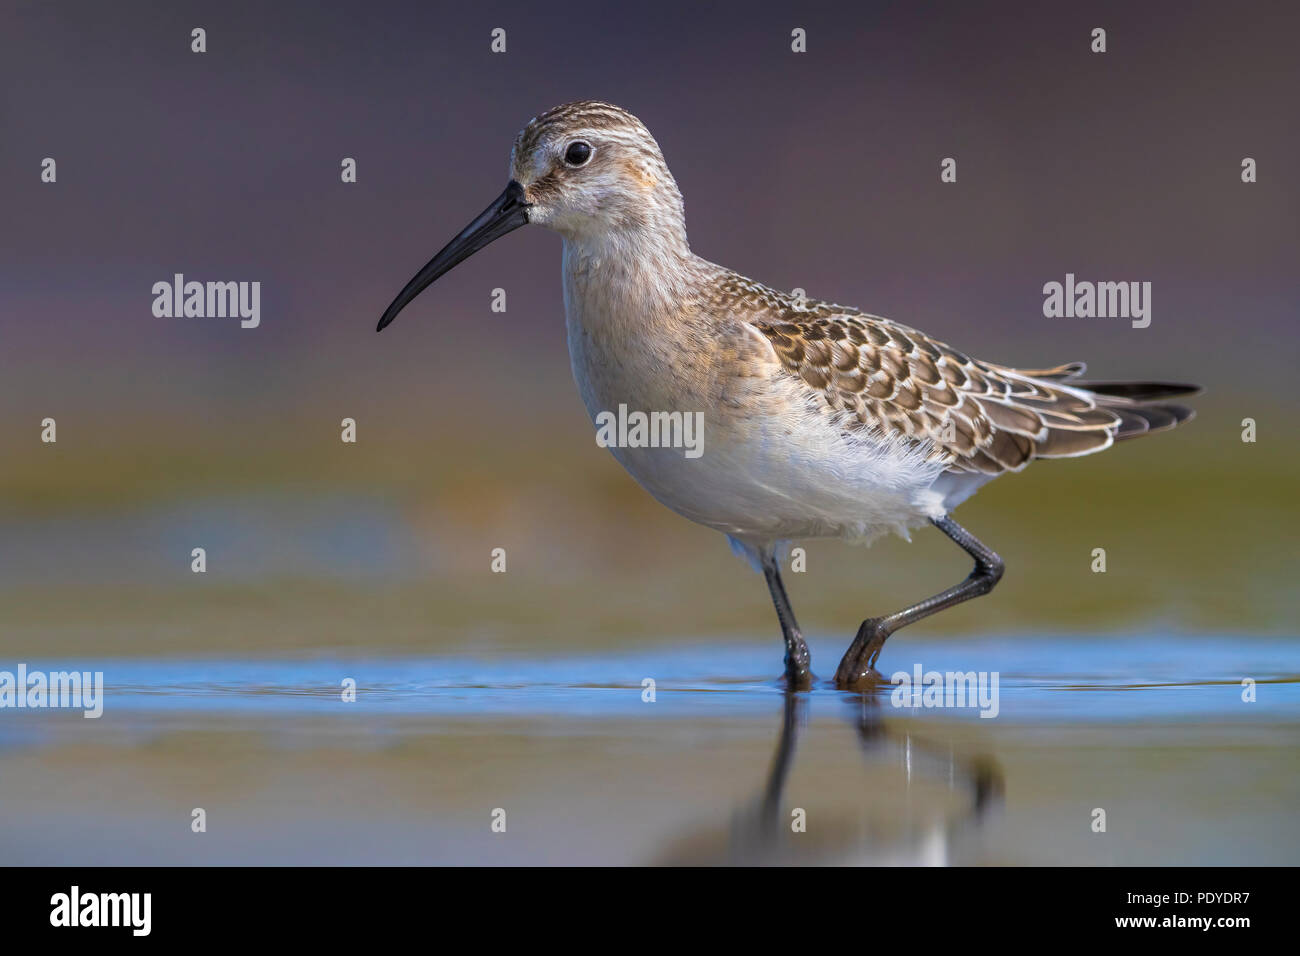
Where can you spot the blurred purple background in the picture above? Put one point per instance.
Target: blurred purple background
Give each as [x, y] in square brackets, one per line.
[817, 170]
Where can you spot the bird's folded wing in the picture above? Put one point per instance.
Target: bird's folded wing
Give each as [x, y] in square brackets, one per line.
[971, 415]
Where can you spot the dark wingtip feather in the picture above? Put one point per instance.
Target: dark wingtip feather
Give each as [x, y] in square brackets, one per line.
[1181, 413]
[1140, 391]
[1144, 419]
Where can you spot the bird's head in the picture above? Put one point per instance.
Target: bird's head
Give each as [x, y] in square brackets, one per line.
[588, 170]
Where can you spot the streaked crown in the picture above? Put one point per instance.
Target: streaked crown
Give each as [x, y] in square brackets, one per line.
[589, 168]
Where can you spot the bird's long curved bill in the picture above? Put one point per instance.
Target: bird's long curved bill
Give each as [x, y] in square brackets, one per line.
[508, 212]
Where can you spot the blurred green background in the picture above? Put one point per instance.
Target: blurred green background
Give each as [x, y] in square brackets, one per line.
[386, 545]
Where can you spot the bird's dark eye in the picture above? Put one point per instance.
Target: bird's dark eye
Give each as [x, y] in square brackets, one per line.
[578, 153]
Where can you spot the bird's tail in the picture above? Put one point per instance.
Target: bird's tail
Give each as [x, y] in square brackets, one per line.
[1142, 406]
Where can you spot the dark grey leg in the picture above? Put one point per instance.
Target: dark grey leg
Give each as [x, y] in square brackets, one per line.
[858, 667]
[797, 658]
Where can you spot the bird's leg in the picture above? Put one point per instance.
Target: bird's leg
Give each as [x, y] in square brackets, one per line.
[857, 669]
[797, 658]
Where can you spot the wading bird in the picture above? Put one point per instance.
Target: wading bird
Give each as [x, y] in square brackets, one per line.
[819, 420]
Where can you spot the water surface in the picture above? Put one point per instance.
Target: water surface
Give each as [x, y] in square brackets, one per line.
[718, 768]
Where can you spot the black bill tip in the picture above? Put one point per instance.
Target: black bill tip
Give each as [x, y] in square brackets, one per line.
[507, 213]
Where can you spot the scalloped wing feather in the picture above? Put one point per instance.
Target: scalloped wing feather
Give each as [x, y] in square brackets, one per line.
[973, 416]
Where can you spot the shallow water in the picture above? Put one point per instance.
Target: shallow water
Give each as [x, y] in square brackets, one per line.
[716, 769]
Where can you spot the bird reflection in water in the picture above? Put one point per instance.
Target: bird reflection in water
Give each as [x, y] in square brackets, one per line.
[926, 832]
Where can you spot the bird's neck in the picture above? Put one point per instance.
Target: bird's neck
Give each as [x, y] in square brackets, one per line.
[634, 276]
[633, 312]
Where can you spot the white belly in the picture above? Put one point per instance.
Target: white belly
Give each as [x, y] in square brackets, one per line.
[772, 465]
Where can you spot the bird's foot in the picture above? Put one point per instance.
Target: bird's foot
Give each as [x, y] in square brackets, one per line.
[798, 663]
[857, 669]
[864, 679]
